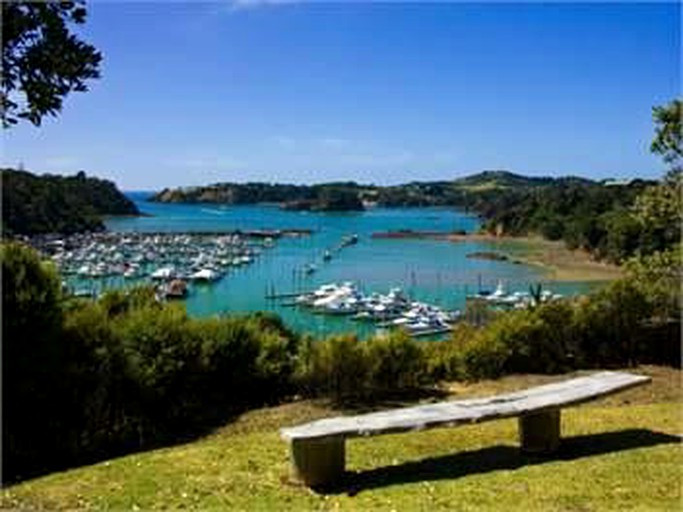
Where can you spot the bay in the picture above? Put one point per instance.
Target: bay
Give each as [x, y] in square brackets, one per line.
[433, 271]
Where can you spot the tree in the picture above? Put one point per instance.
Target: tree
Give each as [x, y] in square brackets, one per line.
[32, 359]
[42, 61]
[668, 140]
[658, 276]
[659, 208]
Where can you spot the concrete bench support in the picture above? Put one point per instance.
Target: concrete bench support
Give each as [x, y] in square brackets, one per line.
[317, 461]
[539, 432]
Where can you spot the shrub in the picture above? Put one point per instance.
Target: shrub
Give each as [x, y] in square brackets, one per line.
[444, 360]
[336, 366]
[608, 324]
[483, 357]
[395, 362]
[32, 362]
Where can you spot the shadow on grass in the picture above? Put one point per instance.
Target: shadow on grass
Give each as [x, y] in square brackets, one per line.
[496, 458]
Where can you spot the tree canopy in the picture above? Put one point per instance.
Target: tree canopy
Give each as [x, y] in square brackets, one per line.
[42, 61]
[668, 140]
[58, 204]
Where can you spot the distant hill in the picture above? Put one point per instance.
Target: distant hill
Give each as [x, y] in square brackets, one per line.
[324, 197]
[34, 204]
[457, 192]
[488, 180]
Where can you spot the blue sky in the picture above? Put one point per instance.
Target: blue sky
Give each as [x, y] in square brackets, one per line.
[194, 93]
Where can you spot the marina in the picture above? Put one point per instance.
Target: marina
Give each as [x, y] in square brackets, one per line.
[236, 259]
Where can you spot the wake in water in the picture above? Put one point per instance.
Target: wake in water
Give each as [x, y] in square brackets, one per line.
[214, 212]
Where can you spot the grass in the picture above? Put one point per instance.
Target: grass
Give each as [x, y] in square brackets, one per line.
[619, 453]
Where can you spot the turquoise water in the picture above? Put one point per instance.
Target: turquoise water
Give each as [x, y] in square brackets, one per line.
[433, 271]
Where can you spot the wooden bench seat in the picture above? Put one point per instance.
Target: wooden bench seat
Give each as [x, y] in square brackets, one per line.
[317, 448]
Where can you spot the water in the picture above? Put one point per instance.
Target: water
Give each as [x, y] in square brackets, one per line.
[433, 271]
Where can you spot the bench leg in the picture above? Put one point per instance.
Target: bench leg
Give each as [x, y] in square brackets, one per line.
[539, 432]
[318, 462]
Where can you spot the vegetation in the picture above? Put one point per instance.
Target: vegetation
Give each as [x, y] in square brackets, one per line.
[125, 373]
[57, 204]
[594, 216]
[668, 140]
[42, 62]
[324, 197]
[613, 221]
[610, 449]
[122, 373]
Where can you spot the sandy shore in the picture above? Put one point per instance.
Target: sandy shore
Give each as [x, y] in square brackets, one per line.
[558, 262]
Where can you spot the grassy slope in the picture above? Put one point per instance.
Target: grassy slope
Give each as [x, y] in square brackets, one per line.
[620, 453]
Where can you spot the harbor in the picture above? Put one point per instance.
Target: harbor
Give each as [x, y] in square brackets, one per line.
[227, 260]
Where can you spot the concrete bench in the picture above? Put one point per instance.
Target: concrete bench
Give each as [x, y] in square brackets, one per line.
[317, 448]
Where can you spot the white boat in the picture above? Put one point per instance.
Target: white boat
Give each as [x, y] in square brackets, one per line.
[163, 273]
[205, 274]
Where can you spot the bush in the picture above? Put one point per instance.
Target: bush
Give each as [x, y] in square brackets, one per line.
[444, 360]
[336, 367]
[608, 324]
[124, 372]
[395, 362]
[33, 361]
[483, 357]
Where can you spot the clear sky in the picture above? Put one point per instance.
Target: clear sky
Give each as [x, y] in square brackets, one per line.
[194, 93]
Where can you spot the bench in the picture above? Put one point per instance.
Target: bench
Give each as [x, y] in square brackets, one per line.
[317, 449]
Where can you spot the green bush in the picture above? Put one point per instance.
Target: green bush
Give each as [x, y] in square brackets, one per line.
[33, 361]
[444, 359]
[539, 340]
[608, 324]
[337, 367]
[395, 362]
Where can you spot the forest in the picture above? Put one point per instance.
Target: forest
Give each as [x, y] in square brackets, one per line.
[34, 204]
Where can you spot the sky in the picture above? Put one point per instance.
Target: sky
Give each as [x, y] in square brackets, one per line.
[285, 91]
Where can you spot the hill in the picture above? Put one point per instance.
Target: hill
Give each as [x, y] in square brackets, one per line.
[610, 448]
[457, 192]
[33, 204]
[586, 214]
[322, 197]
[490, 180]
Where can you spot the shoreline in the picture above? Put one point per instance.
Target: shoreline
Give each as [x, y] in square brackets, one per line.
[553, 257]
[555, 260]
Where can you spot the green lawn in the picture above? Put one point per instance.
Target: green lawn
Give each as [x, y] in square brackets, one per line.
[617, 454]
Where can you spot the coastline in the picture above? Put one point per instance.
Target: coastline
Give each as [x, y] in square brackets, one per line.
[553, 257]
[555, 260]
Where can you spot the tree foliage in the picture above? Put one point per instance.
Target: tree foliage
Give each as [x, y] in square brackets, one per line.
[32, 356]
[659, 211]
[58, 204]
[42, 61]
[668, 140]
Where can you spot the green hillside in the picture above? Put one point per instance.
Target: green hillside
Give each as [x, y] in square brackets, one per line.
[492, 180]
[58, 204]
